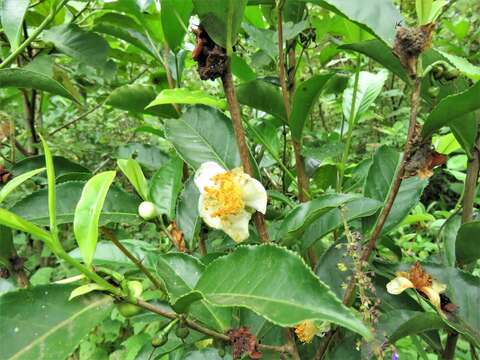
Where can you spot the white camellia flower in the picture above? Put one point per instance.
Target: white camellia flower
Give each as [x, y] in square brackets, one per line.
[228, 199]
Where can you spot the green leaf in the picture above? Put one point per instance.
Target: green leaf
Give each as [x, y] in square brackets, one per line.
[27, 79]
[452, 107]
[87, 213]
[378, 184]
[463, 65]
[16, 182]
[265, 280]
[436, 10]
[332, 219]
[14, 221]
[400, 323]
[221, 19]
[185, 96]
[149, 156]
[204, 134]
[264, 96]
[40, 322]
[187, 217]
[84, 289]
[241, 69]
[62, 166]
[12, 13]
[206, 354]
[84, 46]
[7, 248]
[181, 272]
[369, 87]
[175, 16]
[298, 219]
[50, 189]
[166, 185]
[381, 53]
[423, 7]
[305, 97]
[367, 16]
[446, 144]
[119, 206]
[449, 238]
[135, 98]
[132, 170]
[466, 246]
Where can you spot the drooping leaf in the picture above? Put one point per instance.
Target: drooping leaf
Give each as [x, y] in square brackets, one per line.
[62, 166]
[379, 17]
[369, 87]
[81, 45]
[166, 185]
[119, 206]
[133, 171]
[221, 19]
[12, 13]
[16, 182]
[40, 322]
[305, 97]
[175, 15]
[463, 65]
[187, 216]
[298, 219]
[452, 107]
[87, 213]
[466, 245]
[185, 96]
[269, 285]
[204, 134]
[135, 98]
[27, 79]
[181, 273]
[264, 96]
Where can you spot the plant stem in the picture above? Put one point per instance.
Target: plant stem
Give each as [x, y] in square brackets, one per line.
[302, 182]
[351, 123]
[450, 346]
[204, 330]
[158, 284]
[470, 188]
[10, 58]
[236, 116]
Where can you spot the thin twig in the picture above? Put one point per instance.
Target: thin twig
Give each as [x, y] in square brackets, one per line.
[80, 117]
[450, 346]
[470, 189]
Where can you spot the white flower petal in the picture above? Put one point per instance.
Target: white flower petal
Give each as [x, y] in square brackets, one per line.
[211, 221]
[236, 226]
[438, 287]
[254, 194]
[205, 173]
[399, 285]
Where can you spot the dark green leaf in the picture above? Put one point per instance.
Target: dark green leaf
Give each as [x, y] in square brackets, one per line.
[119, 206]
[150, 157]
[206, 354]
[62, 166]
[466, 246]
[166, 185]
[175, 15]
[136, 98]
[264, 96]
[16, 182]
[269, 286]
[27, 79]
[221, 19]
[40, 322]
[204, 134]
[305, 97]
[81, 45]
[241, 69]
[187, 217]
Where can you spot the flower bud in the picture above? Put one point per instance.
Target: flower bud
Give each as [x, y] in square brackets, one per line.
[147, 210]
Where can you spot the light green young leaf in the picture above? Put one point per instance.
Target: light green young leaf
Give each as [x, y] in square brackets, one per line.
[446, 144]
[166, 185]
[185, 96]
[85, 289]
[16, 222]
[16, 182]
[87, 213]
[133, 171]
[436, 10]
[12, 13]
[424, 8]
[276, 294]
[369, 88]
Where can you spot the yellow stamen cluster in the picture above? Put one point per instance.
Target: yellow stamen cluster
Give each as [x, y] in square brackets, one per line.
[305, 331]
[226, 196]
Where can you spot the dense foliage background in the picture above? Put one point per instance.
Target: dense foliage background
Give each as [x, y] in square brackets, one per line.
[359, 118]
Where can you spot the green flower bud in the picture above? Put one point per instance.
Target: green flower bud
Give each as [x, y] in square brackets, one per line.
[147, 210]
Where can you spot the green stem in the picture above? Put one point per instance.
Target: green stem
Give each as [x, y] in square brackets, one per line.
[351, 123]
[33, 35]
